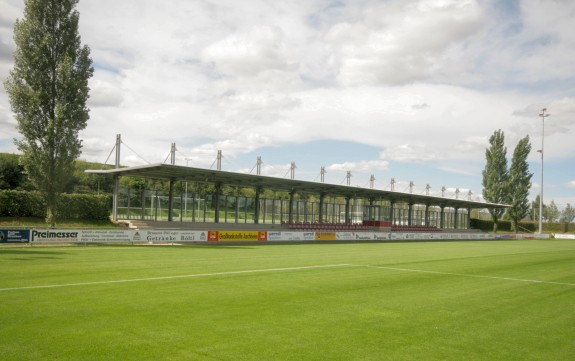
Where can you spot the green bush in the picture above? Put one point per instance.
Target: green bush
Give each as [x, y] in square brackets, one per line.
[83, 206]
[532, 227]
[487, 225]
[70, 206]
[528, 227]
[22, 204]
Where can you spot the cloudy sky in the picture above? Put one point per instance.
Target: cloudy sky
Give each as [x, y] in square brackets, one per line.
[410, 90]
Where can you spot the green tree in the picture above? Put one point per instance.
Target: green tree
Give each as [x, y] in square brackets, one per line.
[48, 90]
[495, 175]
[535, 208]
[519, 183]
[553, 212]
[83, 182]
[12, 174]
[568, 214]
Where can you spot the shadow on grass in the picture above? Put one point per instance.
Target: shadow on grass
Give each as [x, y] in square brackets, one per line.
[33, 258]
[220, 246]
[29, 252]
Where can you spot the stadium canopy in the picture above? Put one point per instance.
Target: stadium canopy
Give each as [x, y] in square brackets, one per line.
[259, 182]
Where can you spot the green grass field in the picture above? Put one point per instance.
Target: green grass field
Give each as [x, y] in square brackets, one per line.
[508, 300]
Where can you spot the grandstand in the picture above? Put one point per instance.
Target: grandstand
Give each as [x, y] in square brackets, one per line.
[337, 208]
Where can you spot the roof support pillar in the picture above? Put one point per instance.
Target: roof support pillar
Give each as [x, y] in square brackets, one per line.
[426, 215]
[115, 198]
[321, 203]
[442, 217]
[410, 214]
[257, 206]
[392, 212]
[370, 210]
[347, 216]
[456, 219]
[290, 210]
[237, 210]
[171, 200]
[217, 206]
[116, 194]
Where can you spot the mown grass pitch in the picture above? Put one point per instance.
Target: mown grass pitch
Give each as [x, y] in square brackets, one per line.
[507, 300]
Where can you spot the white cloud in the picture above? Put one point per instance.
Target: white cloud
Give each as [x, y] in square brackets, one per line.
[417, 153]
[363, 166]
[249, 54]
[7, 122]
[420, 81]
[104, 93]
[571, 185]
[402, 45]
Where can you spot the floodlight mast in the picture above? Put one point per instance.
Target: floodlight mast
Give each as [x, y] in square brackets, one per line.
[543, 116]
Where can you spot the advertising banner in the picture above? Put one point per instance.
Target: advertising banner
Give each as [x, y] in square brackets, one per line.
[55, 235]
[344, 236]
[397, 235]
[212, 236]
[14, 235]
[117, 235]
[108, 235]
[325, 236]
[565, 236]
[381, 236]
[362, 236]
[182, 236]
[251, 236]
[169, 236]
[290, 236]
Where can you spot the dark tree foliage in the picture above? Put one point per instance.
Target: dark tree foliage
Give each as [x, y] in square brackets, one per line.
[519, 183]
[495, 175]
[535, 208]
[568, 214]
[12, 174]
[48, 90]
[553, 213]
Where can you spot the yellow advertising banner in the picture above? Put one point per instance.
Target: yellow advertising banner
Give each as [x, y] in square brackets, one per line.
[325, 236]
[241, 236]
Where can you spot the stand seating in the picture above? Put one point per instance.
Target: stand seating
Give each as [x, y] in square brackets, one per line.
[327, 227]
[410, 229]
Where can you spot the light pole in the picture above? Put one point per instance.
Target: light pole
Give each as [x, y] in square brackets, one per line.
[543, 116]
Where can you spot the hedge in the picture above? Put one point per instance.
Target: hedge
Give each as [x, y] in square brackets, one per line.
[70, 206]
[505, 226]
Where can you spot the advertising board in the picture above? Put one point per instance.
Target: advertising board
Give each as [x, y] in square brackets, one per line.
[565, 236]
[276, 236]
[14, 235]
[116, 235]
[192, 236]
[234, 236]
[325, 236]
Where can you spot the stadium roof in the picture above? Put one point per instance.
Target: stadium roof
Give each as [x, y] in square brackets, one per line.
[191, 174]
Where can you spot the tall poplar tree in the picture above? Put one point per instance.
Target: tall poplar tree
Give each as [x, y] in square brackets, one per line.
[519, 183]
[568, 214]
[48, 90]
[495, 175]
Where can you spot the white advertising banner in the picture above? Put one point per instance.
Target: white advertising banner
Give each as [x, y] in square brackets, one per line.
[183, 236]
[117, 235]
[274, 236]
[362, 236]
[107, 235]
[56, 235]
[169, 236]
[565, 236]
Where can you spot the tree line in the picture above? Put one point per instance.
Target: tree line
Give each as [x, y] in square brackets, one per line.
[511, 185]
